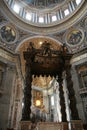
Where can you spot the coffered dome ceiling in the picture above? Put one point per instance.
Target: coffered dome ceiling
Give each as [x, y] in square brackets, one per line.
[46, 17]
[41, 4]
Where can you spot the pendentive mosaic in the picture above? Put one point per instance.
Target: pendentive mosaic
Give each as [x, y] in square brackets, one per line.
[8, 34]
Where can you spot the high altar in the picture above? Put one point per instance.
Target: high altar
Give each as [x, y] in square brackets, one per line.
[46, 62]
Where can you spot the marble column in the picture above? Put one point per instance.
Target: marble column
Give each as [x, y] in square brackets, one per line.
[62, 100]
[5, 100]
[72, 105]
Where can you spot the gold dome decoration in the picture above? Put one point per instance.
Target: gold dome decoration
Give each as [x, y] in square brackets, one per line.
[8, 33]
[74, 37]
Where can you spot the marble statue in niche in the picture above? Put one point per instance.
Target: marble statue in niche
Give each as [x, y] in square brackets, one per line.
[7, 33]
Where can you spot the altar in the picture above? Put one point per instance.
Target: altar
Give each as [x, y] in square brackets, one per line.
[75, 125]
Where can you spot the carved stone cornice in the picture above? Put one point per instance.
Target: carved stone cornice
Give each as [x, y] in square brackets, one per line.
[81, 68]
[79, 56]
